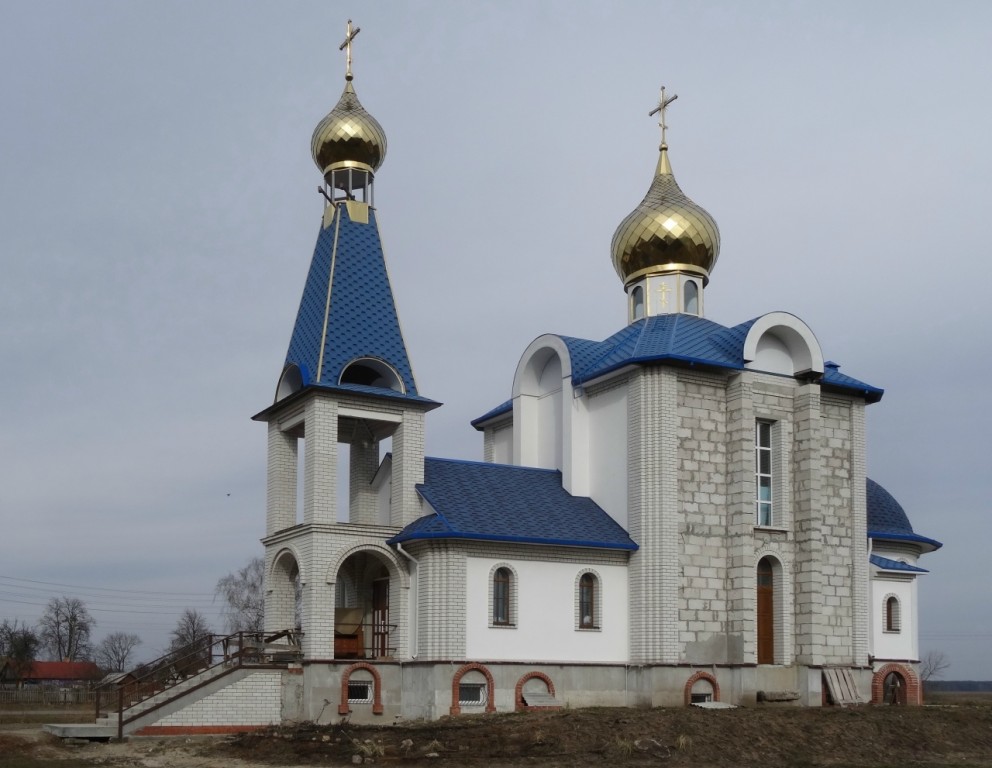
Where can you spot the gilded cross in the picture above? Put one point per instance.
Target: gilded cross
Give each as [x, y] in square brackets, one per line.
[347, 45]
[662, 106]
[663, 290]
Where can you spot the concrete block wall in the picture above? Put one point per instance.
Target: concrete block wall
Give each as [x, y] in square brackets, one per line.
[838, 566]
[703, 497]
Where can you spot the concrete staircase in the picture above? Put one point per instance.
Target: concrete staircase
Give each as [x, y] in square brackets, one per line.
[177, 696]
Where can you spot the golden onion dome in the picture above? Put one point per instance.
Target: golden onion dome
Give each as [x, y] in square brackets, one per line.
[667, 232]
[348, 137]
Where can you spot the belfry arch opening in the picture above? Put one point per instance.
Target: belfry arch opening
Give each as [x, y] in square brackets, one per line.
[370, 372]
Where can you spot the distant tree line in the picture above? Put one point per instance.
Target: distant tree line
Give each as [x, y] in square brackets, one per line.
[65, 630]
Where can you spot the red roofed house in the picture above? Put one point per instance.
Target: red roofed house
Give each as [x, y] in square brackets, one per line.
[54, 673]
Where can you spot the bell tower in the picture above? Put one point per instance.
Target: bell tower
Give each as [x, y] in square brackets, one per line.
[346, 381]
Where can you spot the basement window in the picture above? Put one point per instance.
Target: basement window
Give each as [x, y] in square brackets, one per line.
[700, 698]
[472, 694]
[360, 692]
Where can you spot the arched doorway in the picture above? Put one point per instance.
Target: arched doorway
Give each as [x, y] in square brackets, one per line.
[765, 613]
[894, 689]
[363, 624]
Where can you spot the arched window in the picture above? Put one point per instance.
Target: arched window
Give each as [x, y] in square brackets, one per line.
[691, 298]
[637, 303]
[891, 617]
[501, 597]
[766, 612]
[588, 601]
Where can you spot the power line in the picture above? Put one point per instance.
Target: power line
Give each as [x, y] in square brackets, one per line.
[103, 589]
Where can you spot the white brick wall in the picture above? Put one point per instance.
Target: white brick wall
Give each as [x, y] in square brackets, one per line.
[253, 700]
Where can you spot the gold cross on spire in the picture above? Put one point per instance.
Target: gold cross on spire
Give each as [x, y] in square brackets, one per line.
[662, 106]
[347, 45]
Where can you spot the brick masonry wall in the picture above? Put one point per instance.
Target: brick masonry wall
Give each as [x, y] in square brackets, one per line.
[252, 701]
[653, 514]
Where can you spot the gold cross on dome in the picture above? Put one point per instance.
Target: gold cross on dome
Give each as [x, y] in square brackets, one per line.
[347, 45]
[660, 109]
[663, 290]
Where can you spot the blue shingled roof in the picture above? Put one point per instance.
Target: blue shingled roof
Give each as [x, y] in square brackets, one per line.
[676, 338]
[894, 565]
[888, 520]
[347, 309]
[498, 502]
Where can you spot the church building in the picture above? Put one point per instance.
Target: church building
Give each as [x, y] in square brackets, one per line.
[678, 513]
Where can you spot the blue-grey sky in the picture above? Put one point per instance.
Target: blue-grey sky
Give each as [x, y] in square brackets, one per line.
[159, 211]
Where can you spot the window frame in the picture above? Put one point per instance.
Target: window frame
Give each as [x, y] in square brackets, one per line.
[508, 619]
[588, 589]
[764, 449]
[891, 614]
[481, 688]
[367, 699]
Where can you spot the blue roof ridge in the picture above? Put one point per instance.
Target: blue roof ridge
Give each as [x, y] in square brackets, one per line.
[491, 464]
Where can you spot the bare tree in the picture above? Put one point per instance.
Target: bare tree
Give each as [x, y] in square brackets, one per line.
[115, 650]
[19, 645]
[65, 629]
[190, 642]
[191, 628]
[244, 596]
[933, 665]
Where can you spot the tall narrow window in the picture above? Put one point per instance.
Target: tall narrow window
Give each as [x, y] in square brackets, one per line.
[501, 596]
[691, 302]
[891, 614]
[587, 601]
[763, 472]
[637, 303]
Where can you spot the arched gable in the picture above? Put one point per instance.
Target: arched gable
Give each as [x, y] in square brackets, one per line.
[527, 380]
[291, 381]
[780, 342]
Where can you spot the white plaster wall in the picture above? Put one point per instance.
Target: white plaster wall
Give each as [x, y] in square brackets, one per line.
[384, 498]
[545, 614]
[549, 428]
[607, 448]
[894, 645]
[503, 444]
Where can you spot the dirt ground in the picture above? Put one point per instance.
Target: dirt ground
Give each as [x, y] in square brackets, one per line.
[957, 734]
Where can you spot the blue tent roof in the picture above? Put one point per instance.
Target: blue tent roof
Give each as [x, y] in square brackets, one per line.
[680, 339]
[498, 502]
[894, 565]
[347, 310]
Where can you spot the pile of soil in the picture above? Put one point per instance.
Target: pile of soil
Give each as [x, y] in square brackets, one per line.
[863, 736]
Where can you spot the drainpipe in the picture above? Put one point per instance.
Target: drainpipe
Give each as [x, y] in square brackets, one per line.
[414, 597]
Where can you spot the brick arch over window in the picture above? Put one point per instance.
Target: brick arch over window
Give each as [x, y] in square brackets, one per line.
[518, 696]
[344, 708]
[687, 691]
[456, 681]
[910, 694]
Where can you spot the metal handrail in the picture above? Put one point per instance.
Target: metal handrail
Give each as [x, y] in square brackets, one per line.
[229, 652]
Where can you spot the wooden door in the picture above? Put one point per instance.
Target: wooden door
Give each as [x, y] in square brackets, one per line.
[380, 618]
[766, 613]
